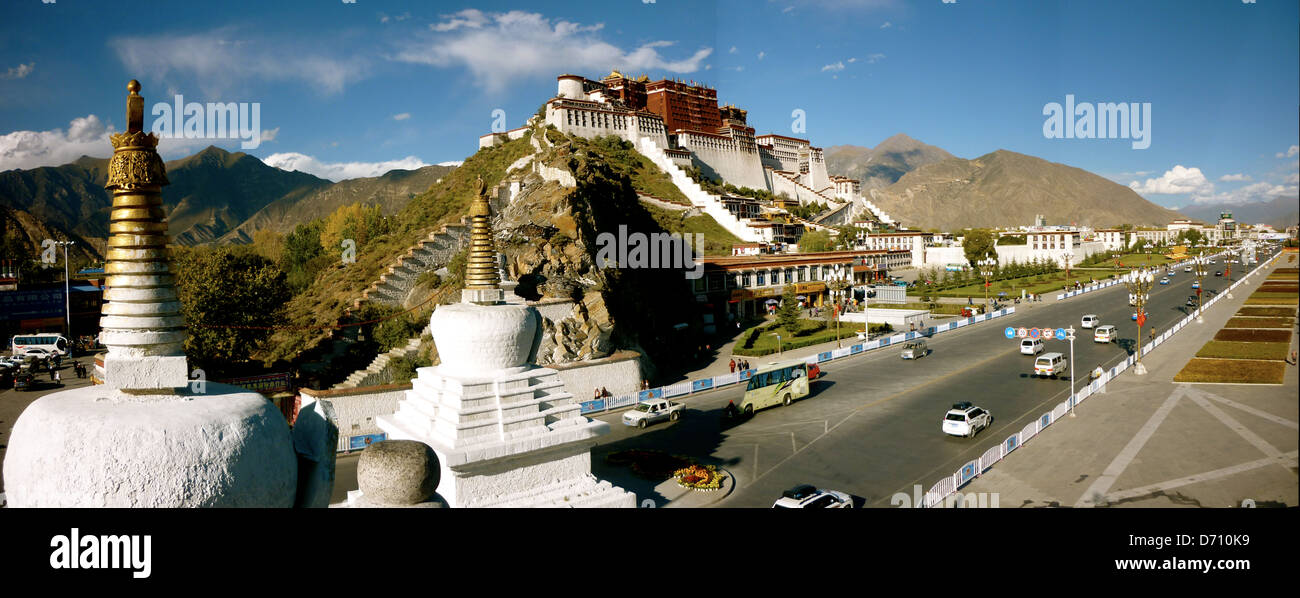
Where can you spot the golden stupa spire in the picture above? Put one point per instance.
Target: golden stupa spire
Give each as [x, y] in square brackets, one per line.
[481, 273]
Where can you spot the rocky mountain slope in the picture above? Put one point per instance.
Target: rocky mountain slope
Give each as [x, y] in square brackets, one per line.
[883, 165]
[1005, 188]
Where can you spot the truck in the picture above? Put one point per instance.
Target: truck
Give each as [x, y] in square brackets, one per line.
[652, 410]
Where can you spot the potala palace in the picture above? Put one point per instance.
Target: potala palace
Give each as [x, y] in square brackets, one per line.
[679, 125]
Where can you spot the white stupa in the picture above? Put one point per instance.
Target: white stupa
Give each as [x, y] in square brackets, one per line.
[146, 438]
[506, 432]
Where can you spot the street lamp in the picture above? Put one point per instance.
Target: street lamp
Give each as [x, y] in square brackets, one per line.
[837, 282]
[987, 268]
[1199, 268]
[1069, 258]
[1139, 284]
[67, 297]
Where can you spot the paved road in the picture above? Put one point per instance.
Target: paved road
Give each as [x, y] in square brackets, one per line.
[871, 426]
[13, 402]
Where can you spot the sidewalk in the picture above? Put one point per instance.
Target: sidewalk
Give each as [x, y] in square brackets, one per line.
[1149, 442]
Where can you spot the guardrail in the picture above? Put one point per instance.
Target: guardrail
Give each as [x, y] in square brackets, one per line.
[714, 382]
[949, 485]
[1097, 287]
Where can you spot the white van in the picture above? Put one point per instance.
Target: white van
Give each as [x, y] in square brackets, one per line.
[1104, 334]
[1050, 364]
[1031, 346]
[1090, 321]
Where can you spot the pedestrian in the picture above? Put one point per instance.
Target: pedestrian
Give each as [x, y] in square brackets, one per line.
[604, 392]
[733, 365]
[597, 395]
[53, 374]
[58, 379]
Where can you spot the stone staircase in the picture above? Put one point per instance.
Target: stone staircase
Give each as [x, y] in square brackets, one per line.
[374, 373]
[879, 213]
[432, 253]
[709, 203]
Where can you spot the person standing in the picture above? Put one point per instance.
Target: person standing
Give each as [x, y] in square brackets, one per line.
[733, 365]
[58, 379]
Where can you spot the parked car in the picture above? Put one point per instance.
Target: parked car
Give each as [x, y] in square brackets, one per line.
[1104, 334]
[1031, 346]
[965, 419]
[1051, 364]
[915, 349]
[809, 497]
[1090, 321]
[652, 410]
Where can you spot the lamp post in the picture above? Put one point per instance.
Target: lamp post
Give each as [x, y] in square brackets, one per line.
[1198, 266]
[987, 268]
[67, 297]
[837, 282]
[1139, 284]
[1069, 259]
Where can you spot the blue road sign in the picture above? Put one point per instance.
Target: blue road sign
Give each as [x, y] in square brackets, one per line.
[1033, 333]
[1060, 334]
[1010, 332]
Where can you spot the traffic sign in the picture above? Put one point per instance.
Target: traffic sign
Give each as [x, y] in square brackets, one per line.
[1010, 332]
[1022, 332]
[1034, 333]
[1060, 334]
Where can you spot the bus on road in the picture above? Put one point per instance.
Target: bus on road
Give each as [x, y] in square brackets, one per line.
[52, 342]
[775, 384]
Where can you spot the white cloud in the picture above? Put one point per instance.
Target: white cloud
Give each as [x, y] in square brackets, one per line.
[86, 136]
[874, 58]
[402, 116]
[787, 9]
[835, 66]
[732, 50]
[383, 18]
[218, 61]
[538, 47]
[1176, 180]
[270, 134]
[18, 72]
[338, 171]
[1257, 192]
[852, 60]
[887, 25]
[470, 18]
[761, 55]
[1291, 151]
[1227, 178]
[451, 163]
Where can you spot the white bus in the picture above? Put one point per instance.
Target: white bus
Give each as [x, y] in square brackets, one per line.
[776, 384]
[52, 342]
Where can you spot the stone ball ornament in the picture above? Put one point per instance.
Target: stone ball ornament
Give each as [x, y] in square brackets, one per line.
[398, 472]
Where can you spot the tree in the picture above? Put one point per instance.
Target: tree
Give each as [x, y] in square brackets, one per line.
[977, 245]
[222, 288]
[816, 240]
[357, 222]
[787, 316]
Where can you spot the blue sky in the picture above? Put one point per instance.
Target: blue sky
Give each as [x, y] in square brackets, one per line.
[355, 88]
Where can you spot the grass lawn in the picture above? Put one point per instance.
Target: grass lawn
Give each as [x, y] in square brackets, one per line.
[1258, 323]
[765, 342]
[1232, 371]
[1266, 312]
[1257, 299]
[1230, 350]
[1253, 336]
[1140, 259]
[1036, 285]
[1283, 288]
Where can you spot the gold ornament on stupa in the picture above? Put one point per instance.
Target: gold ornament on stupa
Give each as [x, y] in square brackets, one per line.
[481, 271]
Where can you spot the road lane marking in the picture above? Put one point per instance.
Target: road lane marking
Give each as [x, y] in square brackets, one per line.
[1102, 485]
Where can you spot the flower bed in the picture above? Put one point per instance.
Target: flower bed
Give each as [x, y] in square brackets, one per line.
[699, 477]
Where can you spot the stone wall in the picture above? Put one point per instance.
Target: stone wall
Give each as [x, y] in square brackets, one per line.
[358, 408]
[619, 373]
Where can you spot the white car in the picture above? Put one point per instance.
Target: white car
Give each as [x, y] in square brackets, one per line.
[1104, 334]
[1090, 321]
[809, 497]
[965, 419]
[1051, 364]
[1031, 346]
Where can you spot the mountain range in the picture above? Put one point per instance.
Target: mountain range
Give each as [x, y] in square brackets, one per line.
[883, 165]
[1280, 212]
[215, 196]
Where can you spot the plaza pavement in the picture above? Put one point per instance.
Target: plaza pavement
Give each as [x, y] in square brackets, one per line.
[1150, 442]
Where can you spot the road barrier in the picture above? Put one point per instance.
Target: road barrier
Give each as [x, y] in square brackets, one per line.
[950, 484]
[1120, 280]
[706, 384]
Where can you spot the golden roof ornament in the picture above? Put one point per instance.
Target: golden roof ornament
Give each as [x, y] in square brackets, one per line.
[482, 277]
[141, 324]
